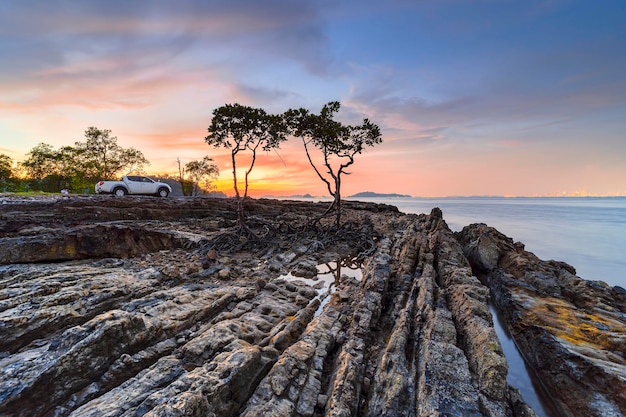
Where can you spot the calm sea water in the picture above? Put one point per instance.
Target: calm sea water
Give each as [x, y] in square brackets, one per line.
[587, 233]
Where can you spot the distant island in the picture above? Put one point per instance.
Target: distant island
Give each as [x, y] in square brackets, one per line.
[282, 197]
[369, 194]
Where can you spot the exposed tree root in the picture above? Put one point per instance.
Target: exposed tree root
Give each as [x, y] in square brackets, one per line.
[355, 240]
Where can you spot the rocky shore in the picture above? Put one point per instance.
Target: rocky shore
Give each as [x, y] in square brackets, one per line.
[140, 306]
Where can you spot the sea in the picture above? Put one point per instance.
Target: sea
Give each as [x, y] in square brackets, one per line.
[589, 233]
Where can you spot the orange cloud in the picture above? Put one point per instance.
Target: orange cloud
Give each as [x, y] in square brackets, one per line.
[96, 91]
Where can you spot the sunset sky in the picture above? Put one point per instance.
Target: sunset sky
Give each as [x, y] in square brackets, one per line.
[481, 97]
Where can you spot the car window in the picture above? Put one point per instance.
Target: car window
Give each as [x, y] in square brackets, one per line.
[133, 178]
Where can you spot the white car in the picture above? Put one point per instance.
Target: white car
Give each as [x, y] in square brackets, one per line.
[133, 184]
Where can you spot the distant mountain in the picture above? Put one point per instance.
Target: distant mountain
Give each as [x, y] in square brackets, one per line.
[282, 197]
[369, 194]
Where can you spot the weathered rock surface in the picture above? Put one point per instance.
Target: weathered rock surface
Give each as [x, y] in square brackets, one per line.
[571, 332]
[139, 316]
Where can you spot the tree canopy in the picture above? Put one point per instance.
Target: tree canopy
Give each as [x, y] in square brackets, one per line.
[6, 167]
[79, 166]
[243, 128]
[102, 158]
[41, 161]
[201, 173]
[337, 143]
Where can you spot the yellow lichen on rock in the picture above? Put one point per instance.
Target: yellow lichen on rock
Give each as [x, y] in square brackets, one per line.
[578, 327]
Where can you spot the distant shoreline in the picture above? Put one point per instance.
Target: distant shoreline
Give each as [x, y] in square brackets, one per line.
[406, 196]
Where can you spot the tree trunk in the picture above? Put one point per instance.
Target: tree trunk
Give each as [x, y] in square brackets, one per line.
[181, 176]
[338, 200]
[240, 214]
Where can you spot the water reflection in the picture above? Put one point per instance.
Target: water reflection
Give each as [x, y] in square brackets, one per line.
[519, 375]
[327, 279]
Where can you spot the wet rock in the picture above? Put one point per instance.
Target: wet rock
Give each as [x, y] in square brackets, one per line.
[571, 331]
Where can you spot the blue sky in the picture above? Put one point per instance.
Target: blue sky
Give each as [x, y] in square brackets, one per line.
[473, 97]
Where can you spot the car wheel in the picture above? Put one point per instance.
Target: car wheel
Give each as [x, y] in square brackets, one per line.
[119, 192]
[163, 192]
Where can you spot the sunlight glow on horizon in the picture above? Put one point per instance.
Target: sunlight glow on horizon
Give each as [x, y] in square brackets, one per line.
[476, 99]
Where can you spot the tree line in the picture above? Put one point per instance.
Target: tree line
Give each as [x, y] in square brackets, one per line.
[79, 167]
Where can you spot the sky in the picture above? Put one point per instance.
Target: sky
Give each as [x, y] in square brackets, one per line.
[481, 97]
